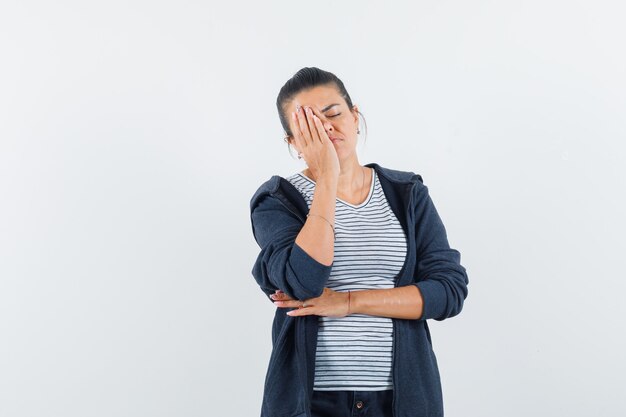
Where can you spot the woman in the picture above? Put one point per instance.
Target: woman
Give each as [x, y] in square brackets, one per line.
[356, 259]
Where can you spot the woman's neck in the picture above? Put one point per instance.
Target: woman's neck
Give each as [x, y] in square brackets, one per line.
[353, 178]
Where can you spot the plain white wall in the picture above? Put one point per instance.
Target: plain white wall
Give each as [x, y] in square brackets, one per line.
[133, 134]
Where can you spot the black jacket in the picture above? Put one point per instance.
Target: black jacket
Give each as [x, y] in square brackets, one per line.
[278, 212]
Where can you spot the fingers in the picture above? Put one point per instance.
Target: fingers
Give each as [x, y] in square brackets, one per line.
[321, 132]
[319, 126]
[308, 126]
[280, 295]
[300, 312]
[312, 123]
[330, 304]
[290, 304]
[284, 301]
[302, 128]
[303, 124]
[297, 134]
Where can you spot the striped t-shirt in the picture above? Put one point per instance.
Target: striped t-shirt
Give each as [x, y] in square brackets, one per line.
[355, 352]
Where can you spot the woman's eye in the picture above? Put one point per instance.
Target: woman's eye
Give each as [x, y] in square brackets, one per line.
[335, 115]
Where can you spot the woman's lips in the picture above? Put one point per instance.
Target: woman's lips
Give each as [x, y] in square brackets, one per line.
[334, 139]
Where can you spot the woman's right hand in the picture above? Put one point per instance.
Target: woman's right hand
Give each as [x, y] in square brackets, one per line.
[313, 143]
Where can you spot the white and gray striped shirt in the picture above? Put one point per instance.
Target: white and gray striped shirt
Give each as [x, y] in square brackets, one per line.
[355, 352]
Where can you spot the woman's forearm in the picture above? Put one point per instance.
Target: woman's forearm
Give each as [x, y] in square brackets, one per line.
[400, 302]
[316, 237]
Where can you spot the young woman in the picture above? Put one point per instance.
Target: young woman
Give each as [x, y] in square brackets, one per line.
[356, 259]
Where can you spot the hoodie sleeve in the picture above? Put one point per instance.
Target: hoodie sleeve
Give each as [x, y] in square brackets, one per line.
[440, 277]
[281, 263]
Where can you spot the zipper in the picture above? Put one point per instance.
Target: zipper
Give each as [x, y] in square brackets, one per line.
[288, 206]
[303, 367]
[297, 214]
[394, 413]
[393, 377]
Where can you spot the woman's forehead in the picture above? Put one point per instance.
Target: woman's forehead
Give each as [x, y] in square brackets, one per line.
[317, 97]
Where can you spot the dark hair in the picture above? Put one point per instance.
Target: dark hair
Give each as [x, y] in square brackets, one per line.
[307, 78]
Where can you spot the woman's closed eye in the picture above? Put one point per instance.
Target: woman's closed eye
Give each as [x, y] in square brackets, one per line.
[335, 115]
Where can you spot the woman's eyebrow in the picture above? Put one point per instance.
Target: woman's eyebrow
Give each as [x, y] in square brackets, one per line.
[329, 106]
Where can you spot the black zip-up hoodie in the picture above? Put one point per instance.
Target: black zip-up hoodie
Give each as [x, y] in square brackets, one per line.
[278, 212]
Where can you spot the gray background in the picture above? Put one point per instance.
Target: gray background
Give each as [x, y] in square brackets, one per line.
[133, 134]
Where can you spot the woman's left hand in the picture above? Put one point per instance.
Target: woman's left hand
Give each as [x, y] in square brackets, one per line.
[331, 303]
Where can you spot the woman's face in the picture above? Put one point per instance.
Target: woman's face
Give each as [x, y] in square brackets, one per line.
[338, 121]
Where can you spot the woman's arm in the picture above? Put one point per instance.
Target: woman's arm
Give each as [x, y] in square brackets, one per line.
[316, 237]
[399, 302]
[282, 263]
[439, 275]
[294, 257]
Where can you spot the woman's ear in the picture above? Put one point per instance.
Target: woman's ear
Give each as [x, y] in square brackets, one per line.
[355, 112]
[291, 142]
